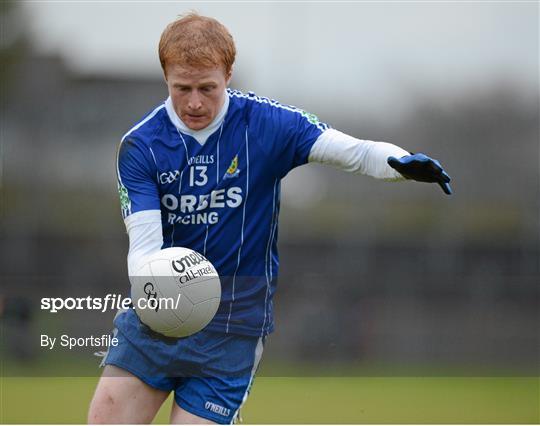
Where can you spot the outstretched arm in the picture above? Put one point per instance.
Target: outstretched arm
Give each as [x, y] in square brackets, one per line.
[380, 160]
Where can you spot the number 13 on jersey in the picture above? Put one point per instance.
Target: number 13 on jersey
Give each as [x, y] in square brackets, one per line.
[198, 176]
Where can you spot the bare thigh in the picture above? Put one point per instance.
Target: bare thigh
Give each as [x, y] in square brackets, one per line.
[179, 416]
[120, 397]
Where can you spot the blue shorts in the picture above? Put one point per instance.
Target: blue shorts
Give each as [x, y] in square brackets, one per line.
[210, 373]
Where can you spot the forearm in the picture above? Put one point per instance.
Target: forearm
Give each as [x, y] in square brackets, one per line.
[145, 237]
[349, 154]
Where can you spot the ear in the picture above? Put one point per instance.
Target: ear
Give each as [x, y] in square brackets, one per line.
[164, 69]
[228, 77]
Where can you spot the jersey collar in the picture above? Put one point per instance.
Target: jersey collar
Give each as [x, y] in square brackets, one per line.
[202, 135]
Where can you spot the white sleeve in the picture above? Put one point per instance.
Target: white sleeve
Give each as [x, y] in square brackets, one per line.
[353, 155]
[145, 237]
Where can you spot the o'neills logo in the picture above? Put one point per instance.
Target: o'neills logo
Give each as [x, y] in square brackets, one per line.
[218, 409]
[193, 259]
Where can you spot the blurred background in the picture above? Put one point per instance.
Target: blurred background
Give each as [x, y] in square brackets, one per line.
[376, 278]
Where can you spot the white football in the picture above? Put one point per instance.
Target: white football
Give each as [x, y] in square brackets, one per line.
[176, 292]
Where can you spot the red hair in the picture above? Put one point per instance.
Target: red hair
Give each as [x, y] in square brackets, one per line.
[196, 40]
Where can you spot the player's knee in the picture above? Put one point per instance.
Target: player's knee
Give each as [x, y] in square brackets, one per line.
[101, 407]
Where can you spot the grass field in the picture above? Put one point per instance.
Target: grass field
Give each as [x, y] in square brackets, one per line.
[310, 400]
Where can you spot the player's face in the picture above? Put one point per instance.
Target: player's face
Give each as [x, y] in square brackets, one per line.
[196, 93]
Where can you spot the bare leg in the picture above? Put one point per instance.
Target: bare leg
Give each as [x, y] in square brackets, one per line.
[179, 416]
[120, 398]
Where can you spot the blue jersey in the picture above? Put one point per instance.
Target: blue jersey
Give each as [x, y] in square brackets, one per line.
[221, 198]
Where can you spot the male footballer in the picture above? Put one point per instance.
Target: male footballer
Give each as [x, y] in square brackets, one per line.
[203, 171]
